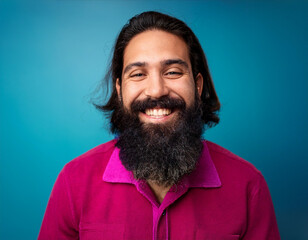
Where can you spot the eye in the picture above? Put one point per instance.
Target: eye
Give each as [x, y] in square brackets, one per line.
[173, 74]
[137, 75]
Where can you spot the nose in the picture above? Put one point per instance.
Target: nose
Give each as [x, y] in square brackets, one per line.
[156, 87]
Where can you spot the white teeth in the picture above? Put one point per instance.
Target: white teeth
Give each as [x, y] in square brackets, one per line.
[157, 112]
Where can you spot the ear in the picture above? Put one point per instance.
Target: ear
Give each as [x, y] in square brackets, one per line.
[118, 87]
[199, 83]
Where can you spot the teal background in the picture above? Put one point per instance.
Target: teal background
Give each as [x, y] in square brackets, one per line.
[54, 53]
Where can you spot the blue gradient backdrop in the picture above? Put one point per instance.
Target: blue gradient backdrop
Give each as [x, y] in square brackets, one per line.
[54, 53]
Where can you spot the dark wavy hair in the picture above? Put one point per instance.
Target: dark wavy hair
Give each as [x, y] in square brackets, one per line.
[155, 20]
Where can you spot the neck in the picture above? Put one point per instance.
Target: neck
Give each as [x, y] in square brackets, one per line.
[159, 191]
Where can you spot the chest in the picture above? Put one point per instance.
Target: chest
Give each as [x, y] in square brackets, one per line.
[126, 213]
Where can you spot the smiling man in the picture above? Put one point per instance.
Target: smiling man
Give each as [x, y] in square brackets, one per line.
[158, 179]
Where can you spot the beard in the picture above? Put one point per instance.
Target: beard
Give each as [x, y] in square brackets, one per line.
[161, 153]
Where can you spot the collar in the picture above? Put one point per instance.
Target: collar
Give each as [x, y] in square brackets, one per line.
[205, 175]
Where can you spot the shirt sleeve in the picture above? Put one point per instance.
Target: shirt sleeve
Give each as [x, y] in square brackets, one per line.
[262, 222]
[59, 221]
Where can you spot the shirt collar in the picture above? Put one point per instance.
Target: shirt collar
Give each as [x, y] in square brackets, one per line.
[205, 174]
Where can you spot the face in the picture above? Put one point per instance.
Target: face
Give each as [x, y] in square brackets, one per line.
[157, 64]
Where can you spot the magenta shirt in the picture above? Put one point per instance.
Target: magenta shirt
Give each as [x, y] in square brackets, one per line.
[95, 197]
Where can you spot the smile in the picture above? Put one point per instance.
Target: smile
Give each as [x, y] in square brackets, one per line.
[158, 112]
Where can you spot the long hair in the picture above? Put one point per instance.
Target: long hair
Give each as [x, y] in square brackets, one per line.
[155, 20]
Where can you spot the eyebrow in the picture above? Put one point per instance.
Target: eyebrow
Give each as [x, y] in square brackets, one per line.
[135, 64]
[169, 62]
[164, 63]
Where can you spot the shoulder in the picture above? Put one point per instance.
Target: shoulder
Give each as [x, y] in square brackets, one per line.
[224, 157]
[244, 193]
[94, 160]
[233, 169]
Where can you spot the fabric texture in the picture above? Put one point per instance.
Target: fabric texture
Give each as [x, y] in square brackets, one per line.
[95, 197]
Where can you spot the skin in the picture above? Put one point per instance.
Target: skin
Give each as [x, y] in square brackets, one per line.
[155, 64]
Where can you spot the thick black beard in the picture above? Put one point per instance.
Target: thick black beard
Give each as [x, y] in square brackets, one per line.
[161, 153]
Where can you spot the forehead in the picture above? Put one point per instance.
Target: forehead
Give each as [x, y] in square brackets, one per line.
[154, 46]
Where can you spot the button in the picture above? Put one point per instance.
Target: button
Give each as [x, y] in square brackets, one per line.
[164, 213]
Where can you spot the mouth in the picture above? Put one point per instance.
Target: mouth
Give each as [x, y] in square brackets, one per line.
[158, 112]
[162, 110]
[156, 115]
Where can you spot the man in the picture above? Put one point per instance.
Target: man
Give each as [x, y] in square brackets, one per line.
[158, 179]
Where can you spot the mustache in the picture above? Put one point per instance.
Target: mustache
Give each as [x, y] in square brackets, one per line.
[162, 102]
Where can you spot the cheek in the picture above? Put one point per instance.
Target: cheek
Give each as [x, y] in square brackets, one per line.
[186, 91]
[130, 92]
